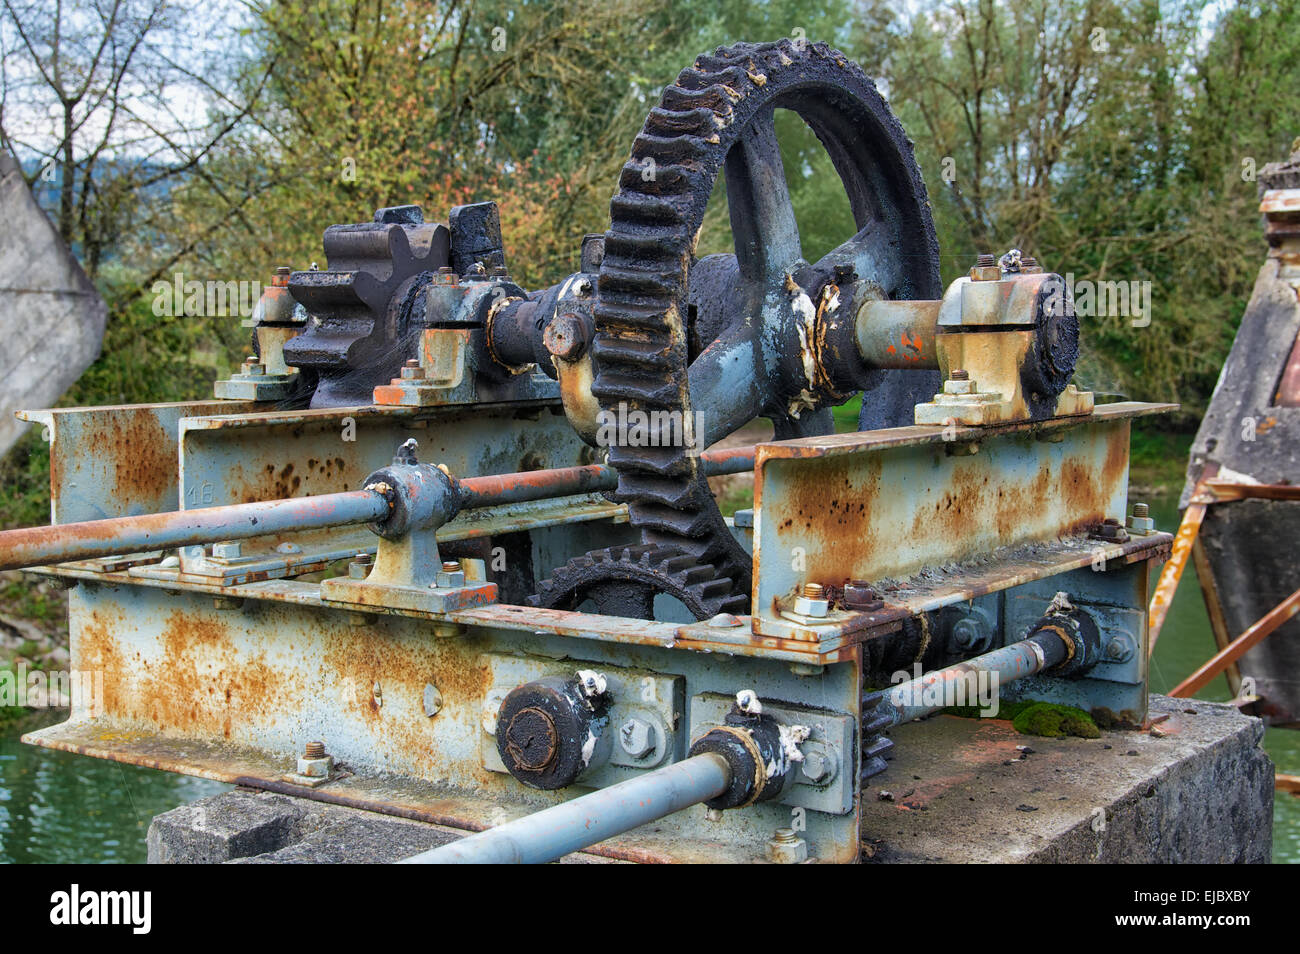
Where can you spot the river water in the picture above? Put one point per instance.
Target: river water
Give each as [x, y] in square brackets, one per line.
[58, 807]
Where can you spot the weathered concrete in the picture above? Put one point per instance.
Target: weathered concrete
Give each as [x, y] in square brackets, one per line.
[51, 317]
[251, 827]
[1197, 789]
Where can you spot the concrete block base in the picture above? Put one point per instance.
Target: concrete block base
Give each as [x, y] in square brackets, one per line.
[1197, 788]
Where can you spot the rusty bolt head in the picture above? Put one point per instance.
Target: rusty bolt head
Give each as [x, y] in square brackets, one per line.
[860, 595]
[281, 277]
[986, 269]
[1110, 529]
[958, 374]
[566, 337]
[314, 763]
[814, 591]
[787, 848]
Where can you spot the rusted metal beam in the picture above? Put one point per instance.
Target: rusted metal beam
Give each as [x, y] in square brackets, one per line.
[1173, 572]
[1239, 646]
[1214, 609]
[1222, 491]
[1287, 783]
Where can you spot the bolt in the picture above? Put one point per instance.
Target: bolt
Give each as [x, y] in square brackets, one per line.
[314, 763]
[360, 566]
[968, 633]
[406, 453]
[747, 702]
[1110, 529]
[451, 574]
[862, 596]
[818, 765]
[986, 258]
[812, 601]
[1140, 521]
[637, 738]
[566, 337]
[412, 371]
[591, 683]
[787, 848]
[959, 374]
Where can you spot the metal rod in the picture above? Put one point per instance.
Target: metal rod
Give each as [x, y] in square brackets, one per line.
[555, 832]
[1270, 621]
[1172, 572]
[930, 692]
[62, 543]
[40, 546]
[497, 489]
[898, 334]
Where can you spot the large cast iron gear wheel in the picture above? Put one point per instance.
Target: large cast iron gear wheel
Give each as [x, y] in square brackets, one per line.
[719, 115]
[623, 581]
[366, 308]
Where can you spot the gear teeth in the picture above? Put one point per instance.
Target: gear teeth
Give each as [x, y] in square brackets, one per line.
[662, 569]
[640, 347]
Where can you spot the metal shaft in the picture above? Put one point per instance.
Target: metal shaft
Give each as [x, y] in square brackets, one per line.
[62, 543]
[585, 821]
[936, 690]
[39, 546]
[497, 489]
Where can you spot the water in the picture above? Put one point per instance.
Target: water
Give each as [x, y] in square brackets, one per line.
[1184, 644]
[58, 807]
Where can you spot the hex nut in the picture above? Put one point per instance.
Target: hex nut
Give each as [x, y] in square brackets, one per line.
[637, 737]
[316, 768]
[805, 606]
[819, 764]
[786, 848]
[952, 386]
[227, 551]
[1140, 525]
[446, 579]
